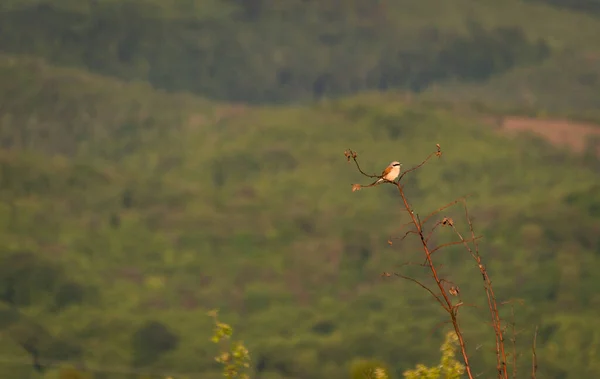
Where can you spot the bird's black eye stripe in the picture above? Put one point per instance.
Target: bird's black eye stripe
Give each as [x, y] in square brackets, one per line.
[397, 164]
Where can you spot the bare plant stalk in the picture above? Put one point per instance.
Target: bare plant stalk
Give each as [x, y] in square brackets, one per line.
[492, 304]
[448, 306]
[442, 297]
[514, 342]
[534, 364]
[444, 300]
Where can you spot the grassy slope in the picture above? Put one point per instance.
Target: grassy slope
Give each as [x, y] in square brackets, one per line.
[564, 86]
[250, 210]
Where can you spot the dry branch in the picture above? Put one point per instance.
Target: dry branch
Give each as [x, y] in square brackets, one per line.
[493, 306]
[444, 300]
[442, 294]
[534, 364]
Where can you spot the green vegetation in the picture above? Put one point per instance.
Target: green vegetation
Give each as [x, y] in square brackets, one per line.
[128, 209]
[449, 367]
[235, 358]
[167, 205]
[368, 369]
[273, 51]
[580, 5]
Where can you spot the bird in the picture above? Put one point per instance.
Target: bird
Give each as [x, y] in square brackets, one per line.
[390, 173]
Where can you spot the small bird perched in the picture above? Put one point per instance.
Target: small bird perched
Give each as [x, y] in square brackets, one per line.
[390, 173]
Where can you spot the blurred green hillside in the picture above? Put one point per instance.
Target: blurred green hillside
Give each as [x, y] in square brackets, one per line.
[128, 212]
[273, 51]
[138, 189]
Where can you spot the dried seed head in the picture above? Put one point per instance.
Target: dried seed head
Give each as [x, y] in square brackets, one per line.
[454, 291]
[447, 221]
[350, 154]
[356, 187]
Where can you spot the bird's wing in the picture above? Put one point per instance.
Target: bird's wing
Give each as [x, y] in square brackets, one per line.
[386, 171]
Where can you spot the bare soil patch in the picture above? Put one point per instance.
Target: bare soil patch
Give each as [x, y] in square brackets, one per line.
[573, 135]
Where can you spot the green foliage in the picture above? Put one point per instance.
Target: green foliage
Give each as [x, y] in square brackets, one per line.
[93, 120]
[272, 51]
[26, 278]
[234, 357]
[449, 367]
[368, 369]
[150, 341]
[589, 6]
[489, 52]
[111, 197]
[531, 91]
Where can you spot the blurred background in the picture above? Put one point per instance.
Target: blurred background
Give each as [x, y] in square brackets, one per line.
[161, 158]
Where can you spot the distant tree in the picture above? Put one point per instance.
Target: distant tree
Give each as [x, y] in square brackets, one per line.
[592, 6]
[150, 341]
[68, 294]
[24, 277]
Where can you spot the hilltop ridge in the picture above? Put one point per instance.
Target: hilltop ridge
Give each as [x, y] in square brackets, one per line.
[269, 52]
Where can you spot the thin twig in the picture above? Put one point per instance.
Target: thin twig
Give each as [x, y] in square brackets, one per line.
[438, 325]
[412, 264]
[534, 364]
[514, 333]
[494, 313]
[459, 200]
[447, 244]
[407, 233]
[403, 226]
[437, 153]
[433, 228]
[350, 154]
[514, 342]
[424, 287]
